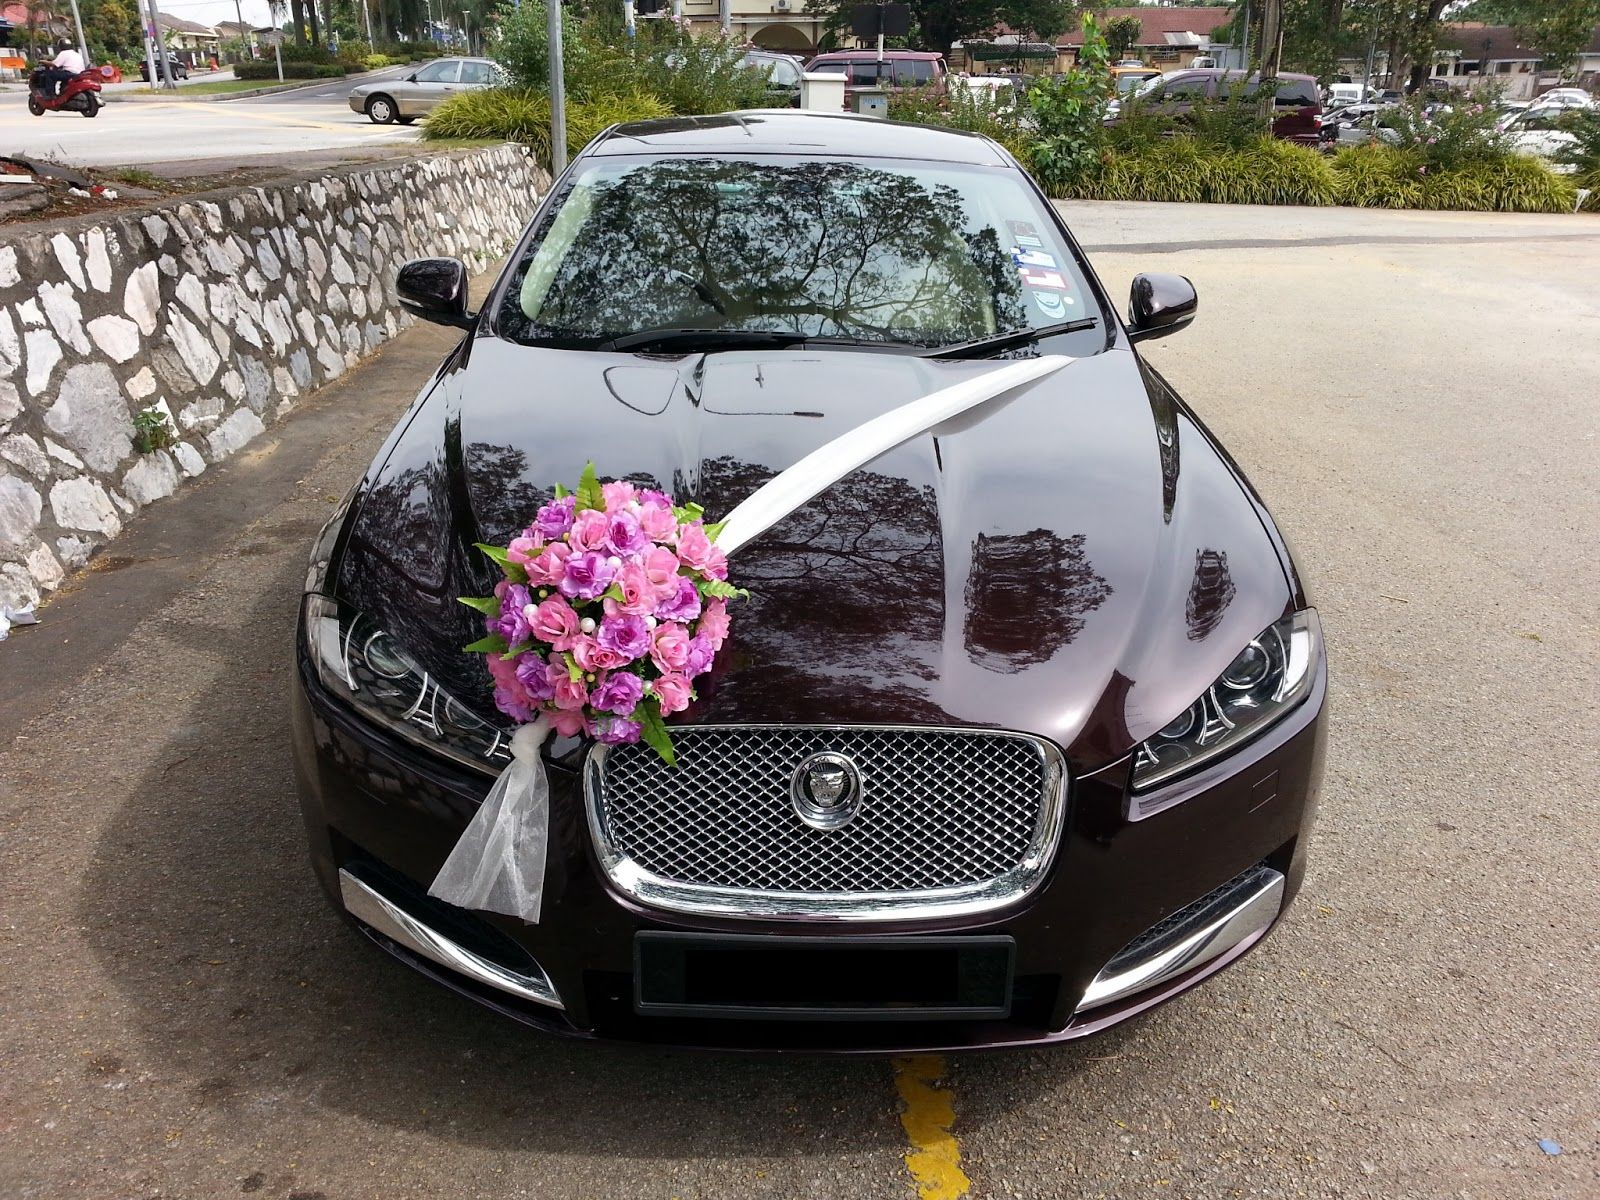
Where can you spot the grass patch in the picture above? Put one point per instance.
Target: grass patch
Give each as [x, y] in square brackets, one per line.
[221, 87]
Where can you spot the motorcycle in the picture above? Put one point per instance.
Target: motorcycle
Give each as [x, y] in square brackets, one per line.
[81, 94]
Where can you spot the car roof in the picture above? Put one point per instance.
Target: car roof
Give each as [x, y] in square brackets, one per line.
[872, 55]
[796, 131]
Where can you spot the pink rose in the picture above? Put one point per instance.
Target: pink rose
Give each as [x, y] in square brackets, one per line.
[571, 693]
[638, 595]
[669, 647]
[716, 564]
[618, 495]
[694, 547]
[569, 724]
[591, 656]
[661, 565]
[714, 623]
[588, 530]
[658, 523]
[522, 550]
[672, 691]
[550, 566]
[553, 621]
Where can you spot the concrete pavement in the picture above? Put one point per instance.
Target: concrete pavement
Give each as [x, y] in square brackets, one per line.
[226, 133]
[1412, 393]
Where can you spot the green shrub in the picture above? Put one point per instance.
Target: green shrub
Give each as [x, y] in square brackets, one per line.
[1067, 114]
[1379, 176]
[294, 52]
[520, 114]
[695, 73]
[376, 62]
[973, 111]
[1184, 170]
[1450, 136]
[267, 70]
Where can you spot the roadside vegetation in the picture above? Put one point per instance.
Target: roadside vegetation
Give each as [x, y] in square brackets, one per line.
[664, 71]
[1223, 152]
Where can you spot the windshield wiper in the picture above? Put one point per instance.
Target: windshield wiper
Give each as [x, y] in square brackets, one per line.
[704, 339]
[979, 347]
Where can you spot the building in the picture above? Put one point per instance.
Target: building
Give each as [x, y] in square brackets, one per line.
[189, 40]
[1471, 54]
[784, 25]
[1169, 38]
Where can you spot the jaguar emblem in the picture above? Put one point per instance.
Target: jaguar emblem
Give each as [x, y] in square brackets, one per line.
[826, 790]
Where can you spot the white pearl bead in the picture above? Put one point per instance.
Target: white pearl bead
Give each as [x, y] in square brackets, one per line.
[587, 625]
[614, 561]
[649, 622]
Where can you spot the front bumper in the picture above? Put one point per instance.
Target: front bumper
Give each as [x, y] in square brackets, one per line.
[358, 103]
[1147, 896]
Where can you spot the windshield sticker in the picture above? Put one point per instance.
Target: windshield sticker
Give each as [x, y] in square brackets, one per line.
[1023, 229]
[1032, 258]
[1024, 239]
[1051, 304]
[1039, 277]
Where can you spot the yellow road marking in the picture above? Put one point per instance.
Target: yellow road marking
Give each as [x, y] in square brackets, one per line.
[934, 1159]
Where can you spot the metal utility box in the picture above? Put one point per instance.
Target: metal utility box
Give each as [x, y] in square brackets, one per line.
[872, 102]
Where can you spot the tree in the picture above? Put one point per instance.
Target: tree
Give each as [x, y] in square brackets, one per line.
[1557, 29]
[1122, 34]
[942, 22]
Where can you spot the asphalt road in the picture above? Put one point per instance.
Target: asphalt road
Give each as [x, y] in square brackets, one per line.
[149, 132]
[1413, 393]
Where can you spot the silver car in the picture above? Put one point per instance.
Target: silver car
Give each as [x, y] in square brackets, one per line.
[415, 95]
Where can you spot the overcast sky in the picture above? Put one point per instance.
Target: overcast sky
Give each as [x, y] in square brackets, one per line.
[209, 12]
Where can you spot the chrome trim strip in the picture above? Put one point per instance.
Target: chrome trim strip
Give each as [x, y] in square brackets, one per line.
[369, 907]
[654, 891]
[1254, 907]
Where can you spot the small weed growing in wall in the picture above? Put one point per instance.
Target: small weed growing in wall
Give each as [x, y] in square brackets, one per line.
[152, 430]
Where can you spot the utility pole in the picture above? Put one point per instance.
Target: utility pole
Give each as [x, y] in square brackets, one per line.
[725, 15]
[244, 30]
[77, 21]
[1244, 41]
[150, 33]
[276, 7]
[1271, 53]
[367, 13]
[628, 15]
[558, 90]
[160, 59]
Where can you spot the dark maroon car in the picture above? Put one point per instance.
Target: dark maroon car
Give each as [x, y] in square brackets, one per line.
[1297, 104]
[1020, 730]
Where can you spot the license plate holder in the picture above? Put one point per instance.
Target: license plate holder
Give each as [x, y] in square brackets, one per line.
[779, 977]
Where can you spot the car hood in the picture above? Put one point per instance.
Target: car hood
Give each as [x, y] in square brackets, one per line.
[1077, 561]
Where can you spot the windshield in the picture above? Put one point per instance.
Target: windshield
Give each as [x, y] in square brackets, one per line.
[1127, 84]
[880, 251]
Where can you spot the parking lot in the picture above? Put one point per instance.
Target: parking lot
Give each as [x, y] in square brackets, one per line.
[1413, 393]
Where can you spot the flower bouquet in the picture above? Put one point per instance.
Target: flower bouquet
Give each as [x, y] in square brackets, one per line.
[613, 601]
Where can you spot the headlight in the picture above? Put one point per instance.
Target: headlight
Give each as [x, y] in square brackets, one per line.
[1268, 678]
[366, 667]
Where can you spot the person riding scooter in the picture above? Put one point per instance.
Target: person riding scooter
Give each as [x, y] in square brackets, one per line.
[67, 63]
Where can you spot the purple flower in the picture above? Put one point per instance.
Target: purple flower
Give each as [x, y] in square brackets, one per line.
[618, 694]
[614, 731]
[651, 496]
[555, 518]
[700, 655]
[625, 635]
[512, 706]
[684, 605]
[586, 575]
[533, 673]
[511, 624]
[623, 534]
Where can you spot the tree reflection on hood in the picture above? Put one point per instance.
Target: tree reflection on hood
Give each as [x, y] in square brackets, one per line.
[821, 248]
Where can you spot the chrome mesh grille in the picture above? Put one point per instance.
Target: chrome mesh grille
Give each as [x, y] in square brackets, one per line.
[940, 810]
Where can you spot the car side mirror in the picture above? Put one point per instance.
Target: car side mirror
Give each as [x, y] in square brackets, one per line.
[435, 289]
[1159, 304]
[411, 78]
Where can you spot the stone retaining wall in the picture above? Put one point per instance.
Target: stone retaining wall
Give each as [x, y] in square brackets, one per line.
[218, 311]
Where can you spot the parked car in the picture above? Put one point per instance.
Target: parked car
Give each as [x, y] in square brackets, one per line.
[415, 95]
[1019, 732]
[1342, 95]
[1539, 131]
[1129, 79]
[1349, 125]
[783, 75]
[899, 70]
[176, 68]
[1298, 103]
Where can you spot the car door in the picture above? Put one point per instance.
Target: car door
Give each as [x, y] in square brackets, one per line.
[424, 90]
[476, 75]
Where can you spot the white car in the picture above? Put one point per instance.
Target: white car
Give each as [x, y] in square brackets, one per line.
[1537, 131]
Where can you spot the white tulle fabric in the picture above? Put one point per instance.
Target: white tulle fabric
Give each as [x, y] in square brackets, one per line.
[498, 862]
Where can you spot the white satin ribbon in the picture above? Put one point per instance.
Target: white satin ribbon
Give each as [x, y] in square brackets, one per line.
[498, 863]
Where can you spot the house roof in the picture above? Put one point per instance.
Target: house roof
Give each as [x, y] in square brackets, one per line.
[234, 28]
[1155, 24]
[179, 25]
[1467, 38]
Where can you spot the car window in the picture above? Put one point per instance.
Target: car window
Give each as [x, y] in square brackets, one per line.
[885, 251]
[866, 72]
[475, 72]
[439, 72]
[829, 68]
[1193, 88]
[912, 73]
